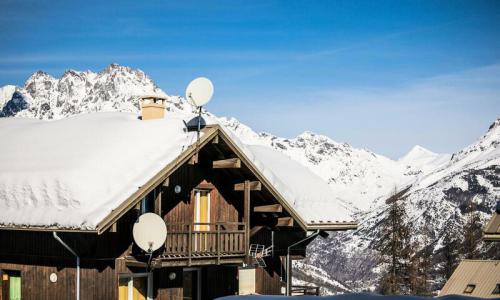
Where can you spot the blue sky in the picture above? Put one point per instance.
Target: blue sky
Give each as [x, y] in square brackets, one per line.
[383, 75]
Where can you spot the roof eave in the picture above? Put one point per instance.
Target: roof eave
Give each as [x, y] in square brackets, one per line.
[491, 237]
[46, 229]
[338, 226]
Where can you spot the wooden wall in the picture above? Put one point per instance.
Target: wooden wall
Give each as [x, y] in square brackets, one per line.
[268, 280]
[37, 254]
[166, 289]
[225, 204]
[35, 284]
[219, 281]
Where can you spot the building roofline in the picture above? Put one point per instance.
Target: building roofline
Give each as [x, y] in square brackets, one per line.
[209, 133]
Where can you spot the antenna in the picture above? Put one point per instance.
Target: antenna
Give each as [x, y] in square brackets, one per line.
[149, 232]
[199, 92]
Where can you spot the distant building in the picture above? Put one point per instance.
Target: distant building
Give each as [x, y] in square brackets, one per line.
[475, 278]
[492, 229]
[478, 278]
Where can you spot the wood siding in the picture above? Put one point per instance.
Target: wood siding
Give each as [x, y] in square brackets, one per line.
[225, 205]
[37, 255]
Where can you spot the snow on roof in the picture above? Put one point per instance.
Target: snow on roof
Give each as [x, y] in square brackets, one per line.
[305, 191]
[73, 172]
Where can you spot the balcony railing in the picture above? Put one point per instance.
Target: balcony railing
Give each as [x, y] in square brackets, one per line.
[205, 240]
[300, 290]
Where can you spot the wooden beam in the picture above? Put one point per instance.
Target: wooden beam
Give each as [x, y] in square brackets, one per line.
[215, 140]
[285, 222]
[253, 185]
[113, 228]
[255, 229]
[166, 183]
[194, 159]
[273, 208]
[159, 194]
[230, 163]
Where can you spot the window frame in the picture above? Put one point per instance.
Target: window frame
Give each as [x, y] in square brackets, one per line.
[130, 286]
[197, 208]
[469, 288]
[496, 290]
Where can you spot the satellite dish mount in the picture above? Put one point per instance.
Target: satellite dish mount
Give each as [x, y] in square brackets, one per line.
[150, 233]
[199, 92]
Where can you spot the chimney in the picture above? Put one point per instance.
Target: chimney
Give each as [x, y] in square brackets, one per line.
[152, 107]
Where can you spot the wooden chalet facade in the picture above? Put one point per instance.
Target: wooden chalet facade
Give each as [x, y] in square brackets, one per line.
[216, 204]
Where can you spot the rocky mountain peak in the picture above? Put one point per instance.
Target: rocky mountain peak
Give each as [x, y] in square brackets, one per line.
[116, 88]
[39, 76]
[495, 125]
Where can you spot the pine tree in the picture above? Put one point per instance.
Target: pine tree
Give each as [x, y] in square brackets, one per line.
[450, 255]
[395, 247]
[421, 267]
[472, 232]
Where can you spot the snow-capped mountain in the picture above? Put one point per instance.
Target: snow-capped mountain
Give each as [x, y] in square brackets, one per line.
[358, 176]
[44, 97]
[437, 185]
[436, 203]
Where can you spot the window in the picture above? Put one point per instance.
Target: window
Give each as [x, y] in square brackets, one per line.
[496, 290]
[469, 288]
[10, 283]
[202, 210]
[148, 202]
[135, 286]
[191, 283]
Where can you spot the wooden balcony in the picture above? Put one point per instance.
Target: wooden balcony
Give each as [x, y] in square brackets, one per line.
[303, 290]
[204, 243]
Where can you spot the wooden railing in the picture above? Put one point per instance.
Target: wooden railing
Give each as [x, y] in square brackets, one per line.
[299, 290]
[205, 240]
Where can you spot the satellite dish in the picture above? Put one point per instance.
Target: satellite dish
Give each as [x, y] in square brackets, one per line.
[149, 232]
[200, 91]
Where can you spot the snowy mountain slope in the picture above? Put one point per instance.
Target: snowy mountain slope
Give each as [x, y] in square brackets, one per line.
[438, 184]
[6, 93]
[436, 203]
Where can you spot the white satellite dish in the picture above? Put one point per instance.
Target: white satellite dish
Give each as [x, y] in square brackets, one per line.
[149, 232]
[200, 91]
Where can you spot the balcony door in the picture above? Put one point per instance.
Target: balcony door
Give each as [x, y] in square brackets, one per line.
[191, 283]
[138, 286]
[202, 210]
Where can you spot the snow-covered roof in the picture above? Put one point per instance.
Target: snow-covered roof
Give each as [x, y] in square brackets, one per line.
[73, 172]
[305, 191]
[492, 230]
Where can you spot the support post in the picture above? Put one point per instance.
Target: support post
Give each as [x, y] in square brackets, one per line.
[246, 214]
[158, 200]
[190, 250]
[218, 243]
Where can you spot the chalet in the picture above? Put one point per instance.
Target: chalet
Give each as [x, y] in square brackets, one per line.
[71, 190]
[478, 278]
[475, 278]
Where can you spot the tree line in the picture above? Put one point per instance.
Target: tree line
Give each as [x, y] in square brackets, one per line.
[416, 263]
